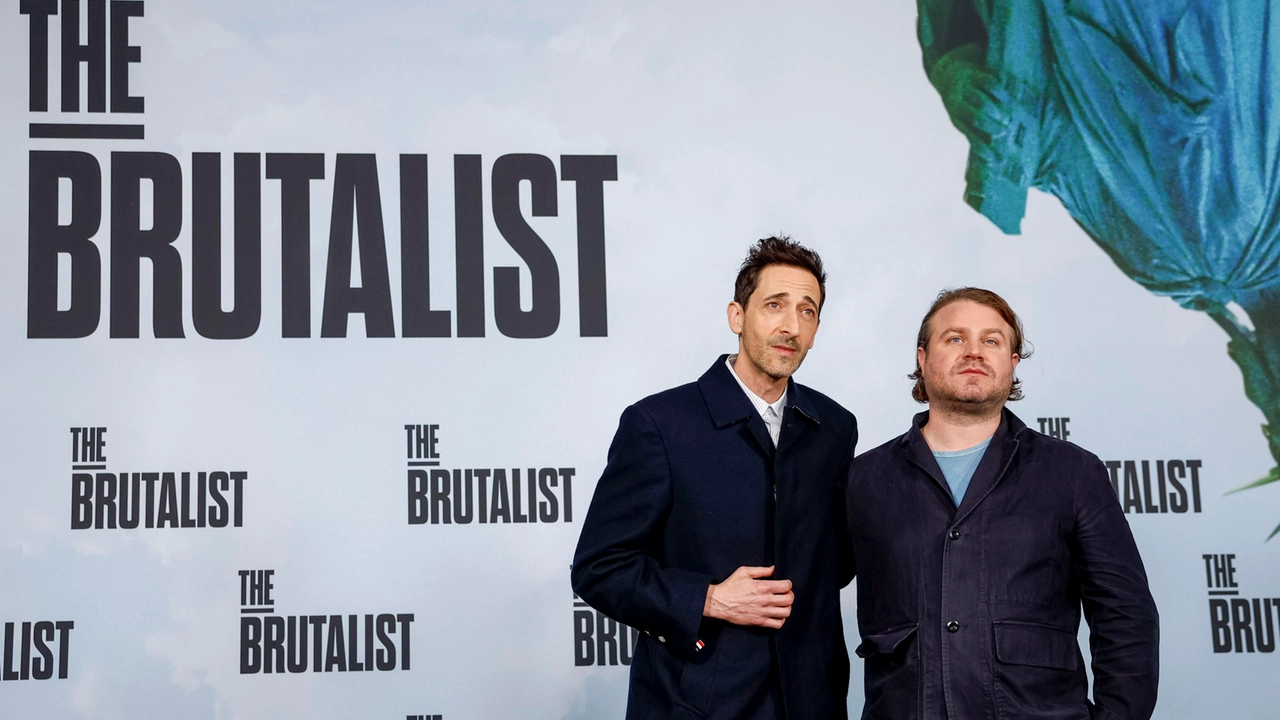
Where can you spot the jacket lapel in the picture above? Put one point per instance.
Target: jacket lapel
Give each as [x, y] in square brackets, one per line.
[995, 461]
[760, 433]
[797, 417]
[728, 404]
[917, 452]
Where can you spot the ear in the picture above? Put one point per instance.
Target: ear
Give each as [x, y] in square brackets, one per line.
[920, 356]
[736, 317]
[1015, 361]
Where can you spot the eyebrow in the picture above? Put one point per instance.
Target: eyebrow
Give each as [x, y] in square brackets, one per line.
[984, 331]
[787, 295]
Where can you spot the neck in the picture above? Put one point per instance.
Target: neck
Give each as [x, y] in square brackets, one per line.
[953, 429]
[757, 381]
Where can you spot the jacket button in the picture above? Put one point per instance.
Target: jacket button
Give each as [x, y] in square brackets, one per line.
[662, 639]
[954, 534]
[953, 626]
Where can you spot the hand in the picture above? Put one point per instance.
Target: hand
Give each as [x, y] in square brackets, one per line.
[973, 96]
[744, 599]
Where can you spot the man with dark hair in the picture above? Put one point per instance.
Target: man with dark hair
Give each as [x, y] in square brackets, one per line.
[716, 526]
[977, 541]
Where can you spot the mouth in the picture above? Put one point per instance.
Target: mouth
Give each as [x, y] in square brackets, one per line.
[785, 350]
[973, 371]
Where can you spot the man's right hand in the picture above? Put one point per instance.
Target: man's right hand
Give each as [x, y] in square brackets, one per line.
[744, 599]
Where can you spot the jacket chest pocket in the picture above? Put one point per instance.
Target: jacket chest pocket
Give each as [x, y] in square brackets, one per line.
[1048, 646]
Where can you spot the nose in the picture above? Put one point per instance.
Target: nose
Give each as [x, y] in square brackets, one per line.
[790, 323]
[973, 349]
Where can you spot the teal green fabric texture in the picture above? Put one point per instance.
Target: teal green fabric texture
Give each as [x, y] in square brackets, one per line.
[1156, 123]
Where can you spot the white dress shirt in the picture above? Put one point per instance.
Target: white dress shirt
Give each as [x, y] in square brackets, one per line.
[771, 413]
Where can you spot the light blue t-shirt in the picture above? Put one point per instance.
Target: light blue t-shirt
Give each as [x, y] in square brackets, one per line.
[958, 467]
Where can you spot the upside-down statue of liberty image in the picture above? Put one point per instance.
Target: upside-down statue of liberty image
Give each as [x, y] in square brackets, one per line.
[1156, 123]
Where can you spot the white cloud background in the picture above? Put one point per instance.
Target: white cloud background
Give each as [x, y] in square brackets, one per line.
[730, 121]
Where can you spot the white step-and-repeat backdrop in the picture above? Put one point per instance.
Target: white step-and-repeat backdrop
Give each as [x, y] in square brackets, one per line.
[318, 318]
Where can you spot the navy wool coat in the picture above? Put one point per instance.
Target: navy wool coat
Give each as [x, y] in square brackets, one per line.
[694, 489]
[972, 613]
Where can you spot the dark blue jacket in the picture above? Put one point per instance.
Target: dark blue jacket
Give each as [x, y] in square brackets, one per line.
[973, 612]
[687, 497]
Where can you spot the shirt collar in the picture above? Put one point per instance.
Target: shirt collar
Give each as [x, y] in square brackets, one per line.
[760, 403]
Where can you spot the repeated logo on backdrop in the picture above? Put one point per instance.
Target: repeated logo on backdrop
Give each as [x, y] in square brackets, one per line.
[1174, 487]
[481, 495]
[356, 226]
[170, 499]
[36, 650]
[356, 642]
[1145, 486]
[1239, 624]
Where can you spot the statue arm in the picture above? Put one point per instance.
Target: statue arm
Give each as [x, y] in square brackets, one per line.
[944, 25]
[953, 41]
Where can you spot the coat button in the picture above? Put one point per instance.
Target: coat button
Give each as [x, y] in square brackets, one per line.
[953, 626]
[662, 639]
[954, 534]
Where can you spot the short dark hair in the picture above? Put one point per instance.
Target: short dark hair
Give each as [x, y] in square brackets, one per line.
[777, 251]
[1020, 347]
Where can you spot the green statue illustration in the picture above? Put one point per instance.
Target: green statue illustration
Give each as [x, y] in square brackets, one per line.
[1156, 123]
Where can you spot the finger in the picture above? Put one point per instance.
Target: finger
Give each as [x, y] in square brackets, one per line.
[755, 571]
[998, 92]
[987, 83]
[776, 611]
[972, 131]
[992, 126]
[773, 586]
[980, 99]
[771, 617]
[780, 600]
[990, 95]
[988, 119]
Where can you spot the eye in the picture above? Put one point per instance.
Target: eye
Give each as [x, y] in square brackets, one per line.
[953, 339]
[809, 312]
[773, 304]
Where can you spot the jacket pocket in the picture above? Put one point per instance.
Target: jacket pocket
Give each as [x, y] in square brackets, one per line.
[1038, 672]
[885, 643]
[891, 673]
[697, 680]
[1047, 646]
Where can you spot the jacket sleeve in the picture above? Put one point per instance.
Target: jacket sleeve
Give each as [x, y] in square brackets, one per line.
[1124, 626]
[617, 567]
